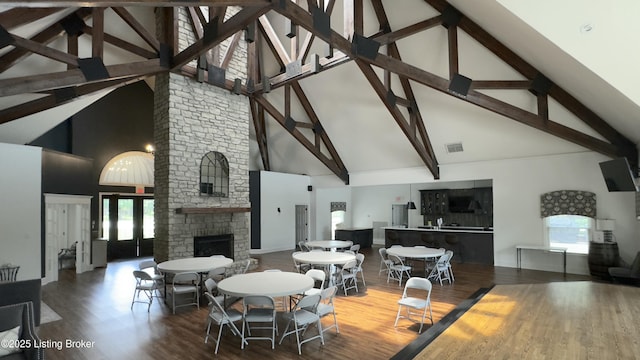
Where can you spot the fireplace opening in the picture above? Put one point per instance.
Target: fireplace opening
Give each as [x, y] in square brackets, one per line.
[213, 245]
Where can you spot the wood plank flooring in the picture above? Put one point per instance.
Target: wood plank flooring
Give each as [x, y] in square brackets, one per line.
[571, 320]
[95, 307]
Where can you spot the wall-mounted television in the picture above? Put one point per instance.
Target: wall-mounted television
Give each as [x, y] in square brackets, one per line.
[618, 175]
[460, 204]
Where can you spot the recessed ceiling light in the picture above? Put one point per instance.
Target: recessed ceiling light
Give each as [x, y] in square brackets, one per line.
[586, 28]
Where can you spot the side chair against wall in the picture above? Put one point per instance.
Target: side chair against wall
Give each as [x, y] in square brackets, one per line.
[262, 310]
[411, 303]
[18, 326]
[627, 274]
[303, 315]
[146, 285]
[185, 283]
[221, 317]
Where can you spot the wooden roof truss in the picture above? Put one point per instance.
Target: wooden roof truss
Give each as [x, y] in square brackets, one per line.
[86, 75]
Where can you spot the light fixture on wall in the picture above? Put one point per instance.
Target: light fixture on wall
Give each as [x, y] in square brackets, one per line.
[410, 205]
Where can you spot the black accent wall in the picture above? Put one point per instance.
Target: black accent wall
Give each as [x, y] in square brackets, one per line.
[119, 122]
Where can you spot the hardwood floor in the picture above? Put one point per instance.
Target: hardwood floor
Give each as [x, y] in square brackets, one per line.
[575, 320]
[95, 307]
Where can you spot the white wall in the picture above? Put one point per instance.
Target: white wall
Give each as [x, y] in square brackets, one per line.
[323, 197]
[283, 191]
[21, 193]
[517, 186]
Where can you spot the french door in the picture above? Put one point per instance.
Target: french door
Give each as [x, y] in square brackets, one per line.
[127, 221]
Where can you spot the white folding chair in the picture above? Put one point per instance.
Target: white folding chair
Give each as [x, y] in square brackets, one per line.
[360, 260]
[415, 303]
[301, 317]
[185, 283]
[441, 269]
[384, 261]
[318, 276]
[146, 285]
[222, 317]
[355, 248]
[453, 279]
[326, 306]
[397, 269]
[348, 278]
[259, 309]
[151, 268]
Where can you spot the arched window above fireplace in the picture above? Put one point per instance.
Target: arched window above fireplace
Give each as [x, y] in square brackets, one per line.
[214, 175]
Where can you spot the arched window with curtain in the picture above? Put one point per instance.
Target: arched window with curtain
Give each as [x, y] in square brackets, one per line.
[214, 175]
[569, 217]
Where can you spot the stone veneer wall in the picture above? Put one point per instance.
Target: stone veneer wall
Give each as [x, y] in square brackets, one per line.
[192, 119]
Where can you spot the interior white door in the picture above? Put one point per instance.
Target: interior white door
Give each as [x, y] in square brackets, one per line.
[55, 239]
[302, 224]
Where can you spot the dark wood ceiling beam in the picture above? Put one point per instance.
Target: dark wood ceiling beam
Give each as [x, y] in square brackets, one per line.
[258, 118]
[393, 36]
[51, 100]
[197, 21]
[97, 37]
[302, 139]
[321, 135]
[308, 69]
[353, 18]
[273, 40]
[501, 84]
[417, 126]
[627, 147]
[150, 3]
[147, 36]
[39, 83]
[45, 51]
[236, 23]
[44, 37]
[124, 45]
[428, 79]
[19, 16]
[452, 37]
[405, 125]
[228, 54]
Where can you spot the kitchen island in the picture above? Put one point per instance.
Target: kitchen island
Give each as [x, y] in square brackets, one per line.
[469, 244]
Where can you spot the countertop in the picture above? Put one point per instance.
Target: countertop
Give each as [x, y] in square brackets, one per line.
[460, 229]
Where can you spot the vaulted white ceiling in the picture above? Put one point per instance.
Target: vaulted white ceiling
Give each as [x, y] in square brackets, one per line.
[596, 67]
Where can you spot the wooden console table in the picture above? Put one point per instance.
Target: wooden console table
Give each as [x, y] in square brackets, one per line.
[562, 250]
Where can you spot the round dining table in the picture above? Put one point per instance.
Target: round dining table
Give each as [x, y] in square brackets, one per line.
[327, 258]
[416, 252]
[194, 264]
[268, 283]
[329, 244]
[323, 257]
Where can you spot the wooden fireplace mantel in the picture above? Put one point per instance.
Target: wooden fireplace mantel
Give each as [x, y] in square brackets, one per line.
[211, 210]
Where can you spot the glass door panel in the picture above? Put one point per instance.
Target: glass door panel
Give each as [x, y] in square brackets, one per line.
[147, 219]
[125, 219]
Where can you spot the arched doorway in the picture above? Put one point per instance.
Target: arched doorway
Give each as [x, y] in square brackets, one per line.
[127, 219]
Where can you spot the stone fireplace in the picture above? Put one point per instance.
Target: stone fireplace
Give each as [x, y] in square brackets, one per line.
[192, 119]
[208, 245]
